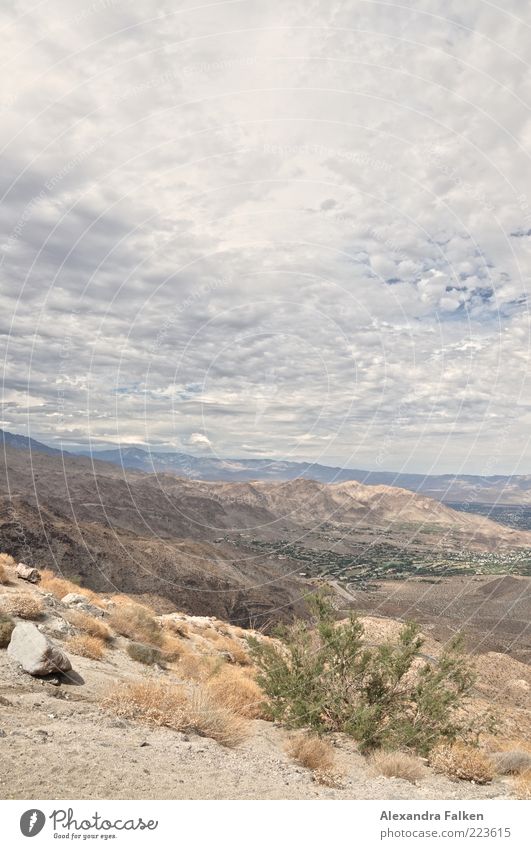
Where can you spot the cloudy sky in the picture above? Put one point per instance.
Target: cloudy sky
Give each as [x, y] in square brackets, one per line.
[293, 228]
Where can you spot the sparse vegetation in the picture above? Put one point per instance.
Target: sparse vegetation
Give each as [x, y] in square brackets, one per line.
[23, 605]
[86, 646]
[178, 627]
[6, 629]
[59, 587]
[326, 678]
[6, 563]
[523, 785]
[316, 754]
[173, 706]
[89, 624]
[136, 622]
[397, 765]
[466, 763]
[235, 690]
[513, 762]
[143, 653]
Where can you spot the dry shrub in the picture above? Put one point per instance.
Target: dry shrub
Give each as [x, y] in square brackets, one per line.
[90, 624]
[397, 765]
[175, 626]
[171, 705]
[24, 605]
[7, 561]
[212, 720]
[196, 667]
[86, 646]
[136, 622]
[59, 587]
[171, 648]
[463, 762]
[4, 577]
[523, 785]
[210, 634]
[233, 689]
[6, 629]
[311, 752]
[234, 648]
[513, 762]
[142, 653]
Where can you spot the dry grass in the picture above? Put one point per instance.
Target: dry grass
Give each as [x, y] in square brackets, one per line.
[172, 648]
[89, 624]
[397, 765]
[59, 587]
[86, 646]
[173, 706]
[4, 576]
[234, 689]
[317, 755]
[6, 629]
[24, 605]
[523, 785]
[235, 648]
[196, 667]
[515, 762]
[174, 626]
[311, 752]
[7, 561]
[463, 762]
[136, 622]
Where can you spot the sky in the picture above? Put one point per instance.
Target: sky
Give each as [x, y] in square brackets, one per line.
[296, 229]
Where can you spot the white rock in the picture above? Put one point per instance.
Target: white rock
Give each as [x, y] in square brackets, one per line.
[34, 651]
[28, 573]
[74, 598]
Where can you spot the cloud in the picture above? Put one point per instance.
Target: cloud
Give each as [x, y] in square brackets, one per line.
[267, 220]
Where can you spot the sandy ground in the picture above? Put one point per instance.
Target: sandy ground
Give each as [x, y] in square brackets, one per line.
[59, 744]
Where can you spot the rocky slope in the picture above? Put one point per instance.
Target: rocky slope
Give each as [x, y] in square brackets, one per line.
[59, 740]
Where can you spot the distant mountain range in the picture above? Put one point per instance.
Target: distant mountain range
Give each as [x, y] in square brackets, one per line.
[460, 490]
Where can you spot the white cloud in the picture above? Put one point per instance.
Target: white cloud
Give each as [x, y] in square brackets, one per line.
[266, 220]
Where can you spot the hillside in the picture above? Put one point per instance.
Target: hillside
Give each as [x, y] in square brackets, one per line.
[71, 736]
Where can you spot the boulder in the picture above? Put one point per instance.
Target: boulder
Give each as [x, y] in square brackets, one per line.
[28, 573]
[74, 598]
[34, 651]
[81, 602]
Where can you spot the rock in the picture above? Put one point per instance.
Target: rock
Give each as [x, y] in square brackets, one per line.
[73, 598]
[28, 573]
[35, 653]
[2, 733]
[5, 702]
[80, 602]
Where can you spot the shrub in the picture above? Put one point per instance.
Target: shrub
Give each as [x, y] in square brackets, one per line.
[145, 654]
[397, 765]
[86, 646]
[512, 762]
[232, 689]
[7, 561]
[171, 705]
[171, 648]
[234, 648]
[138, 623]
[23, 605]
[463, 762]
[90, 624]
[6, 629]
[324, 677]
[311, 752]
[176, 626]
[318, 755]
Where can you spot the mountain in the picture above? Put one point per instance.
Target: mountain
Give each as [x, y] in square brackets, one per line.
[491, 495]
[25, 443]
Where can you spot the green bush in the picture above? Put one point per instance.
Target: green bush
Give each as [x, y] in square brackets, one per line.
[323, 676]
[6, 629]
[145, 654]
